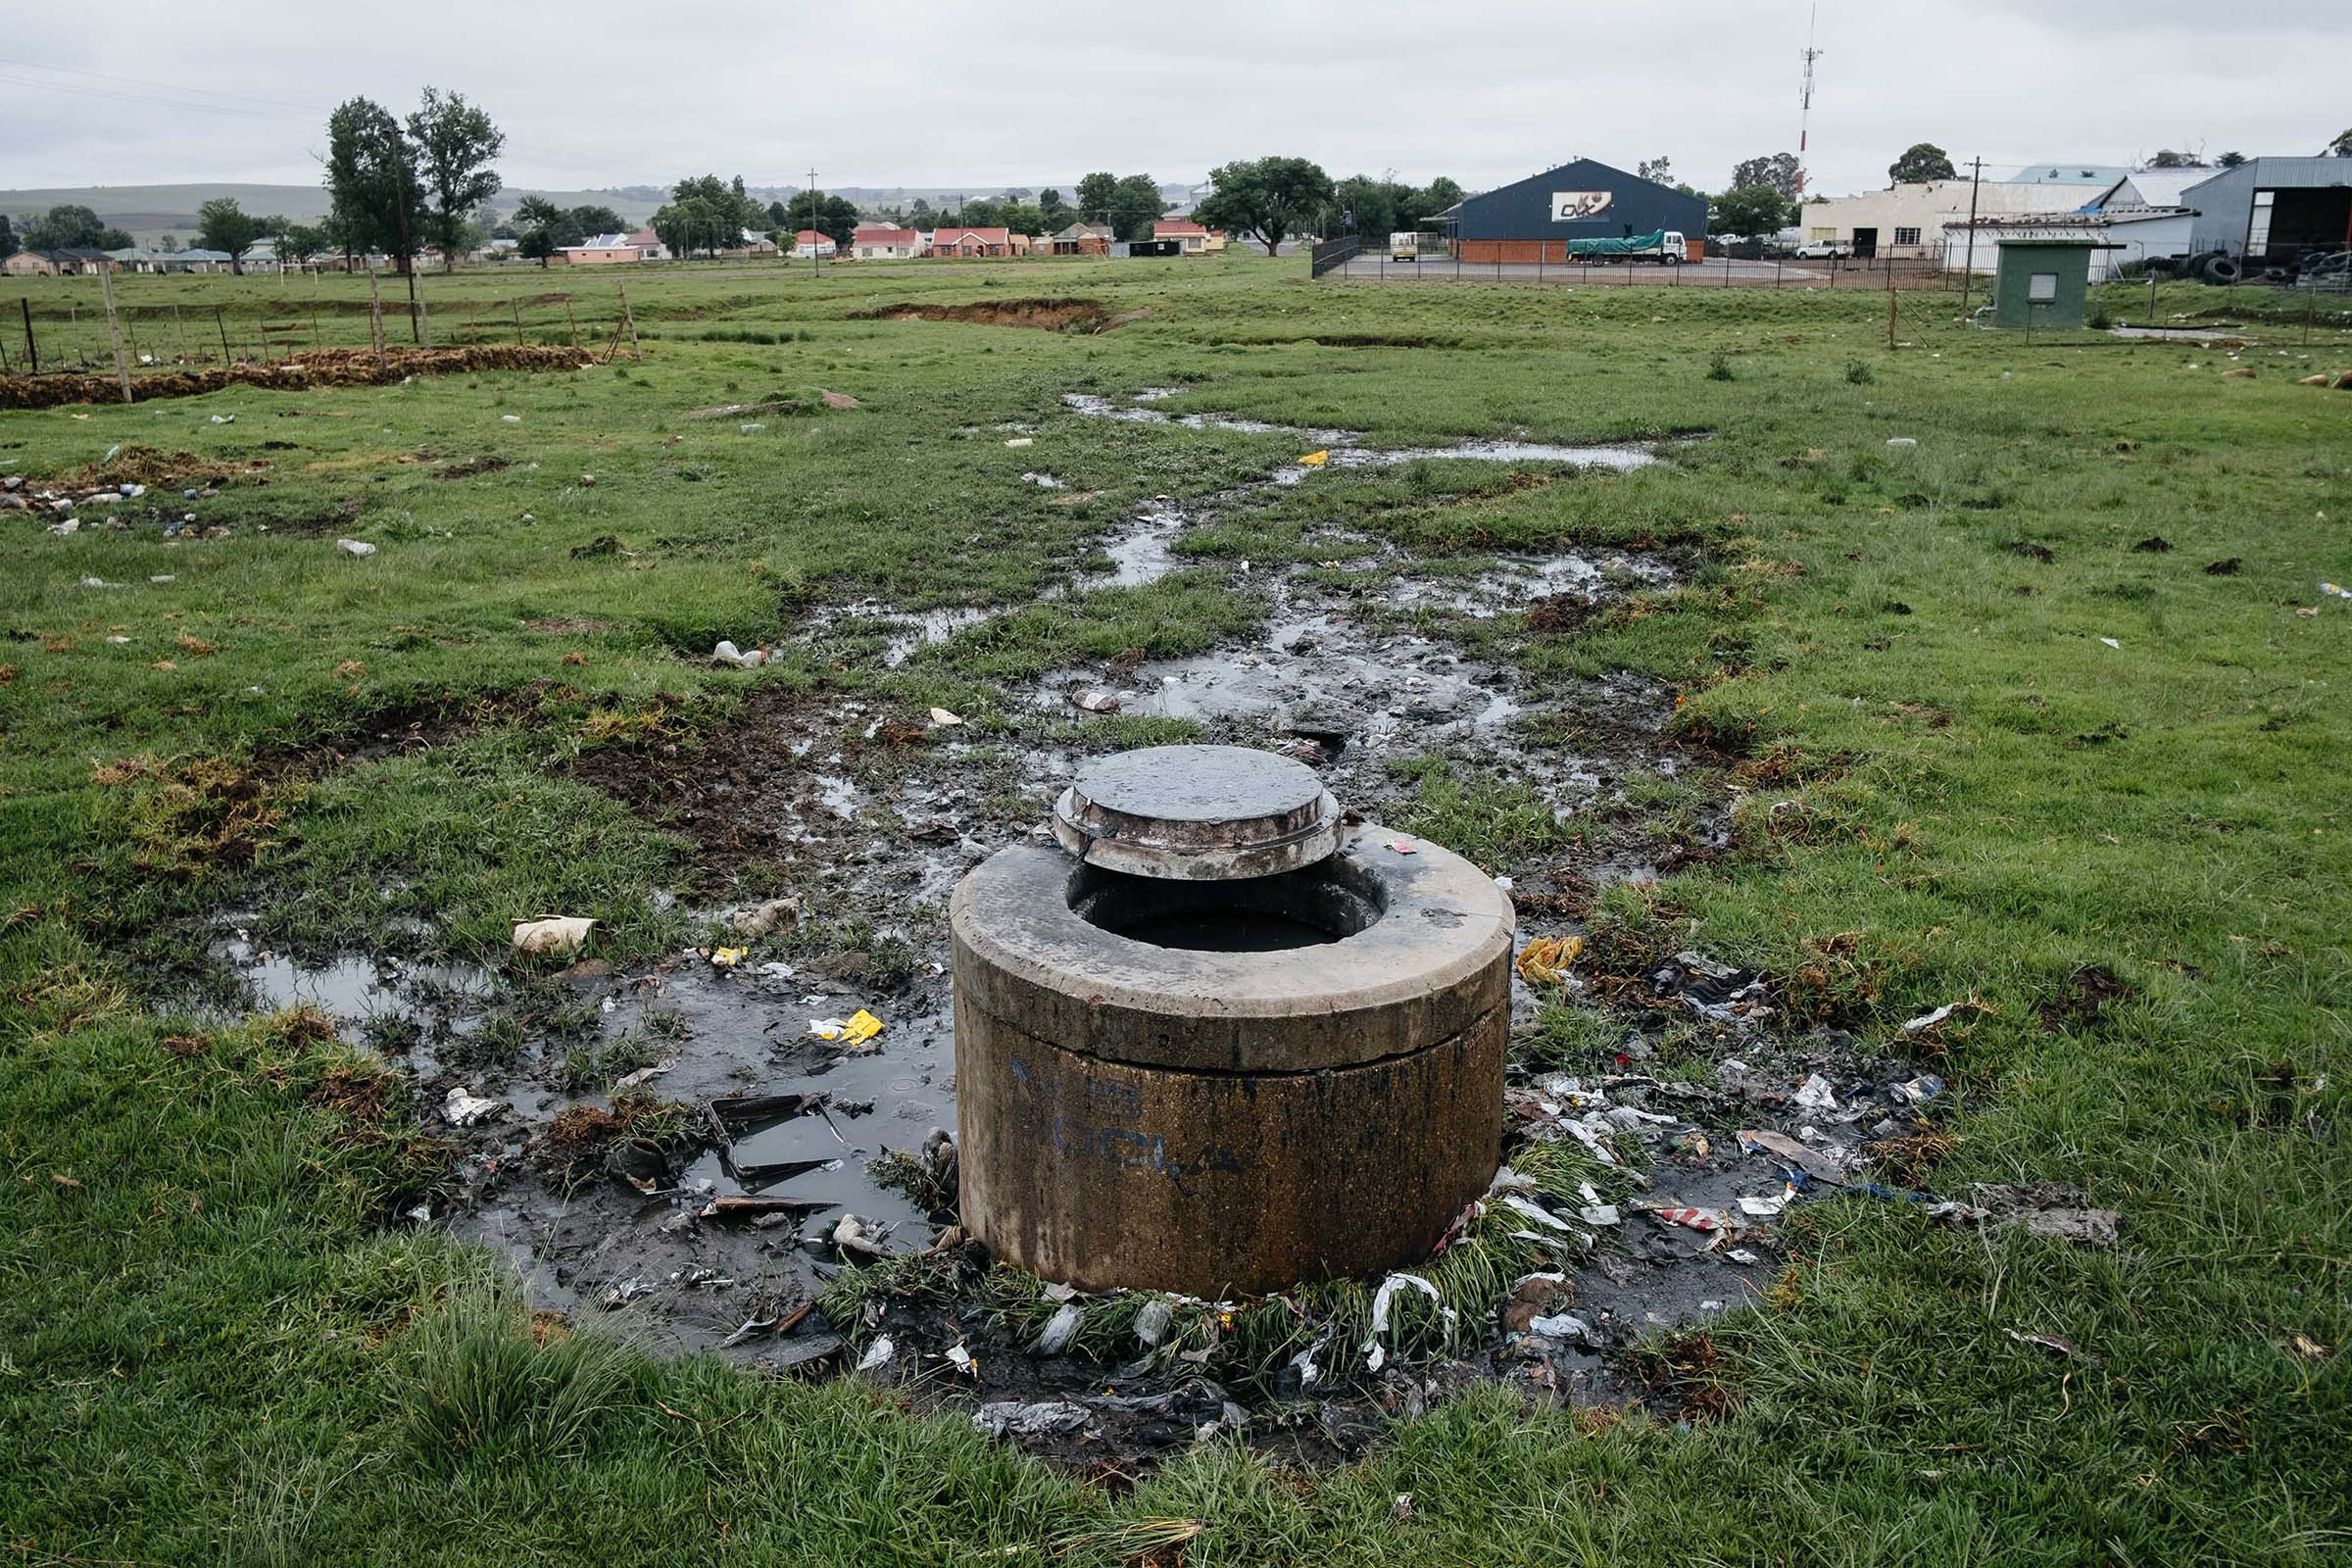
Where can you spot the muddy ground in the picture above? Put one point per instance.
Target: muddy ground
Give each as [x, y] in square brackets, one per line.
[836, 830]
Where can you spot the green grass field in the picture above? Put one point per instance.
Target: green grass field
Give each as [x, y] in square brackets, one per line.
[1993, 751]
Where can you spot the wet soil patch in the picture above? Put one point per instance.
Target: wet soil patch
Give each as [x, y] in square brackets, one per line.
[2082, 1000]
[1051, 315]
[472, 466]
[313, 367]
[705, 1154]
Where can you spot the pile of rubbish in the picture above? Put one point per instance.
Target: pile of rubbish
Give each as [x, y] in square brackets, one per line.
[314, 369]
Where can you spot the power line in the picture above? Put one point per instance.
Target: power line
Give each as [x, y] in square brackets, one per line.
[146, 100]
[138, 82]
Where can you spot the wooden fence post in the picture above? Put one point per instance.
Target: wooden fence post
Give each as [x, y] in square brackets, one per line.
[515, 311]
[220, 323]
[375, 319]
[114, 328]
[32, 350]
[630, 320]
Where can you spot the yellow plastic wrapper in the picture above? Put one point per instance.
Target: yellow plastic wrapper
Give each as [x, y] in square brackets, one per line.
[1315, 460]
[727, 957]
[1546, 962]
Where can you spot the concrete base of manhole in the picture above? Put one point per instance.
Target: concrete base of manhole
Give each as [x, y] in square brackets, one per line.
[1224, 1088]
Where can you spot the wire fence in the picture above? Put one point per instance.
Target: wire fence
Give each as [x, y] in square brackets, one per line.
[69, 331]
[1954, 271]
[1354, 257]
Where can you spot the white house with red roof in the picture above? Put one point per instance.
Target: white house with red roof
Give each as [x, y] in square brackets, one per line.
[951, 241]
[884, 242]
[815, 245]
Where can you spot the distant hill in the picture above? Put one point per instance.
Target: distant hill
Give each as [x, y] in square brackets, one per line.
[149, 212]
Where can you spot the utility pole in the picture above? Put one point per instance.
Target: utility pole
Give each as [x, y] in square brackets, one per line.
[1968, 267]
[812, 261]
[1805, 110]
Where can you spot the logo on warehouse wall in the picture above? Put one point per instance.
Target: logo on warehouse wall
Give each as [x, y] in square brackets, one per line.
[1575, 206]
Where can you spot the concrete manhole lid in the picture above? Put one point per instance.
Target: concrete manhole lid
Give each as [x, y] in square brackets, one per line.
[1198, 813]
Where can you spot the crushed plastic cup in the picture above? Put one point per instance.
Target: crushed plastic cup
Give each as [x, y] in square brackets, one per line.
[854, 1030]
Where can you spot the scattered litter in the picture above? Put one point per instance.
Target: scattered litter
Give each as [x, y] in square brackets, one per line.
[1766, 1208]
[1534, 1211]
[1815, 1094]
[727, 957]
[358, 547]
[1744, 1257]
[1060, 1329]
[941, 719]
[2111, 642]
[1375, 1353]
[465, 1109]
[765, 918]
[225, 418]
[1601, 1214]
[1097, 702]
[750, 427]
[1565, 1326]
[1919, 1089]
[644, 1075]
[1400, 847]
[1403, 1508]
[857, 1028]
[2093, 1227]
[854, 1234]
[878, 1354]
[1047, 1418]
[1697, 1219]
[1903, 441]
[1020, 441]
[726, 653]
[1714, 991]
[957, 1357]
[1548, 962]
[2335, 590]
[621, 1292]
[1315, 460]
[510, 418]
[2058, 1345]
[1781, 1146]
[1151, 1323]
[1928, 1020]
[558, 934]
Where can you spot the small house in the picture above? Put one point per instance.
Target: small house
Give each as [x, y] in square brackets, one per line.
[1192, 239]
[970, 242]
[815, 245]
[1082, 239]
[884, 242]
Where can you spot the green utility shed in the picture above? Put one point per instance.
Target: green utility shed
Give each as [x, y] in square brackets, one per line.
[2042, 282]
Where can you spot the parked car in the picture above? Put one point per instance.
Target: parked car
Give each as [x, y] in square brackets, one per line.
[1824, 250]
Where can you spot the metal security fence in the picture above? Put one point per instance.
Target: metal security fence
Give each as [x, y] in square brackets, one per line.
[1354, 257]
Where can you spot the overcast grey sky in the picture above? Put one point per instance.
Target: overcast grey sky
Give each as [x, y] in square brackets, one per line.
[603, 92]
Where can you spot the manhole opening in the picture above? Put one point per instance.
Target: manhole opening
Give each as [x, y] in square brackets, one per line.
[1324, 903]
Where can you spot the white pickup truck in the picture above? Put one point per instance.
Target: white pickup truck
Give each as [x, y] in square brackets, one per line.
[1405, 246]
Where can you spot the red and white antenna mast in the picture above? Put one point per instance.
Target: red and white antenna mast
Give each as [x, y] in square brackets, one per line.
[1804, 103]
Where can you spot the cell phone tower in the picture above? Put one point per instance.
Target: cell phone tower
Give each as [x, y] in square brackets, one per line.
[1804, 103]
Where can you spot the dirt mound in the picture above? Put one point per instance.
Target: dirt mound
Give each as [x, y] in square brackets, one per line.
[149, 465]
[315, 368]
[1049, 314]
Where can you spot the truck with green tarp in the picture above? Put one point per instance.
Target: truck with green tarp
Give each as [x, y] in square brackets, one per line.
[1665, 246]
